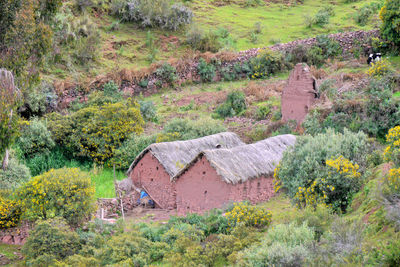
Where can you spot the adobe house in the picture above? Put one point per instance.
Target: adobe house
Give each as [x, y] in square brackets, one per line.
[218, 177]
[155, 166]
[299, 94]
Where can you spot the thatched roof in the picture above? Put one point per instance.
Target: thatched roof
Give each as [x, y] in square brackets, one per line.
[173, 156]
[241, 163]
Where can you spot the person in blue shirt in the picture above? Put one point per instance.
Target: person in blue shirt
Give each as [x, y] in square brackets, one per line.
[145, 200]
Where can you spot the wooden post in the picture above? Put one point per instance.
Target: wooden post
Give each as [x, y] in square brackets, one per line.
[118, 193]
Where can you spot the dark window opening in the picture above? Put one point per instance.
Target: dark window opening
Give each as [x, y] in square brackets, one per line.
[157, 168]
[205, 192]
[141, 164]
[151, 179]
[258, 184]
[204, 173]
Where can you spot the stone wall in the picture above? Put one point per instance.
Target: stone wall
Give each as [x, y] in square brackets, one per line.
[187, 68]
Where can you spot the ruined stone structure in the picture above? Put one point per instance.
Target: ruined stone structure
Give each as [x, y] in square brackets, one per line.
[299, 94]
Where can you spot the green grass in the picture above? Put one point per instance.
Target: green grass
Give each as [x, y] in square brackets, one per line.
[104, 182]
[8, 251]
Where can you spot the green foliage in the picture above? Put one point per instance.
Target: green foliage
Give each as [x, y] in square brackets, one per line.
[15, 175]
[97, 131]
[40, 99]
[374, 110]
[206, 71]
[166, 73]
[110, 89]
[392, 151]
[189, 129]
[390, 16]
[10, 213]
[262, 112]
[251, 216]
[130, 149]
[9, 99]
[156, 13]
[362, 16]
[212, 40]
[284, 245]
[305, 163]
[322, 17]
[67, 193]
[151, 45]
[234, 105]
[148, 110]
[35, 139]
[49, 241]
[265, 64]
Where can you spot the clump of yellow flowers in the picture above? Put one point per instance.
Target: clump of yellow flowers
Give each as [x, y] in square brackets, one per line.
[335, 190]
[244, 213]
[67, 192]
[392, 151]
[379, 68]
[10, 213]
[393, 180]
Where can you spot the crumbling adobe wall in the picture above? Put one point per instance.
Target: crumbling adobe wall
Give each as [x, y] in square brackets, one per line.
[200, 189]
[151, 176]
[299, 94]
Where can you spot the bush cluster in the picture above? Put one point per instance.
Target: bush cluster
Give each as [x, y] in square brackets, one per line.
[66, 193]
[284, 245]
[154, 13]
[234, 105]
[307, 161]
[379, 68]
[207, 71]
[212, 40]
[265, 64]
[252, 216]
[166, 73]
[10, 213]
[148, 110]
[15, 175]
[392, 151]
[96, 132]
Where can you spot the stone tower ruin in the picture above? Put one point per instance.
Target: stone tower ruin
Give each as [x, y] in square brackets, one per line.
[299, 94]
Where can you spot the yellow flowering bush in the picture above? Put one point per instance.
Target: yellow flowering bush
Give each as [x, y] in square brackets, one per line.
[10, 213]
[392, 151]
[265, 64]
[379, 68]
[67, 192]
[97, 131]
[393, 180]
[243, 213]
[335, 190]
[167, 137]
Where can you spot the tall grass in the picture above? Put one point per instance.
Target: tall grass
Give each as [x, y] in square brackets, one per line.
[103, 180]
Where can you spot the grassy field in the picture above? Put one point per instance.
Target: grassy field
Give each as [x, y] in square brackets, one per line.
[125, 47]
[104, 182]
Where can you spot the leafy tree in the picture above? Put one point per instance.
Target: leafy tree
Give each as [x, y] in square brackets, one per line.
[390, 16]
[8, 117]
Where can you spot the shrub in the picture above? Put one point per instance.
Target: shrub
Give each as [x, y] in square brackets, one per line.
[40, 100]
[262, 112]
[96, 132]
[110, 89]
[234, 105]
[10, 213]
[251, 216]
[284, 245]
[15, 175]
[363, 15]
[189, 129]
[67, 193]
[321, 18]
[53, 239]
[206, 71]
[167, 137]
[166, 73]
[130, 149]
[148, 110]
[393, 181]
[392, 151]
[265, 64]
[35, 139]
[335, 190]
[159, 13]
[379, 68]
[305, 163]
[390, 16]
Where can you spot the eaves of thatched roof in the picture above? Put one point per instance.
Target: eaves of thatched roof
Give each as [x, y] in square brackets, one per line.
[241, 163]
[174, 156]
